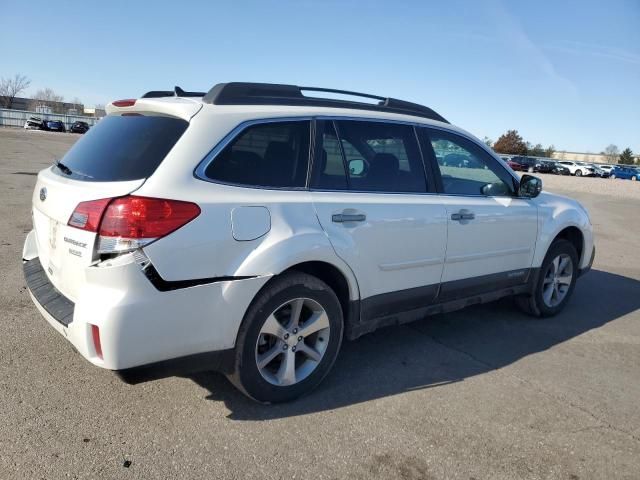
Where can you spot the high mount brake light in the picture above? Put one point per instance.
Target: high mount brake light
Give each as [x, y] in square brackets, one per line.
[129, 102]
[127, 223]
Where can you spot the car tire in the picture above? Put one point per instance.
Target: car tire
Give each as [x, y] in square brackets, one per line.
[530, 169]
[633, 179]
[578, 173]
[270, 381]
[539, 303]
[612, 176]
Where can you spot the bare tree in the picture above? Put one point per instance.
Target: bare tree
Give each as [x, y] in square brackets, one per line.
[10, 88]
[48, 98]
[612, 153]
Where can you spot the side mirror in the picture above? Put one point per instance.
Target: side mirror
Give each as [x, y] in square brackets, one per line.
[530, 186]
[356, 167]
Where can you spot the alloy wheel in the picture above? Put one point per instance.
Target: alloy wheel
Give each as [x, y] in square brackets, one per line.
[557, 280]
[292, 342]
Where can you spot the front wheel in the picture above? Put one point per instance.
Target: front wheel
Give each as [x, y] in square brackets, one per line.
[633, 179]
[612, 176]
[555, 283]
[530, 169]
[578, 173]
[288, 340]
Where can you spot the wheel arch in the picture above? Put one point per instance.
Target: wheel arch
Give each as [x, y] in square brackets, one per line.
[575, 236]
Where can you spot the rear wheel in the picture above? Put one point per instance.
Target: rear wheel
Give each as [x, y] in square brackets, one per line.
[555, 282]
[634, 179]
[612, 176]
[289, 339]
[530, 169]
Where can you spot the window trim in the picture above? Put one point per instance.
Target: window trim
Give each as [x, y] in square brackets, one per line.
[199, 171]
[438, 174]
[432, 181]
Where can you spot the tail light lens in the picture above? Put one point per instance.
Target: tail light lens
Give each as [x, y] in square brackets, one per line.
[127, 223]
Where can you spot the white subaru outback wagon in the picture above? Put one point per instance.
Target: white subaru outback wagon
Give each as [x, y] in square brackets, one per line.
[251, 228]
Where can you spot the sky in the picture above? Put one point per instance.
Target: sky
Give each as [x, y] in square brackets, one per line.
[565, 73]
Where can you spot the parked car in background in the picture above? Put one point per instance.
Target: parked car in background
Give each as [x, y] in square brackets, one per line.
[606, 168]
[577, 169]
[599, 172]
[625, 172]
[533, 164]
[517, 167]
[559, 169]
[79, 127]
[33, 123]
[54, 126]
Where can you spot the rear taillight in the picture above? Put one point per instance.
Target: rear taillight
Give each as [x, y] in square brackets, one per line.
[127, 223]
[87, 215]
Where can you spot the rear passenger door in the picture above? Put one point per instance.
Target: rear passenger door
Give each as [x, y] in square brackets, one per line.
[491, 232]
[370, 193]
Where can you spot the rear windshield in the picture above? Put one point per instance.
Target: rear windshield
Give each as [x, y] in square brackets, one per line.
[121, 148]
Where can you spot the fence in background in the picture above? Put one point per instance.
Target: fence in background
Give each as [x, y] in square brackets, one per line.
[17, 118]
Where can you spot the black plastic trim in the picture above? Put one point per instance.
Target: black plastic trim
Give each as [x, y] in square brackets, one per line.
[586, 269]
[163, 285]
[244, 93]
[54, 302]
[219, 361]
[176, 92]
[404, 306]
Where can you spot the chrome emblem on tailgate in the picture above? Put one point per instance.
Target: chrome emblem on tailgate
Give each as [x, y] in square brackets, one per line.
[43, 194]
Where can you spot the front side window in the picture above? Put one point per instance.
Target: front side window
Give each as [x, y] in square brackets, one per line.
[265, 155]
[370, 157]
[466, 169]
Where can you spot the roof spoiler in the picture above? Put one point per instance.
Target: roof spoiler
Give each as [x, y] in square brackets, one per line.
[176, 92]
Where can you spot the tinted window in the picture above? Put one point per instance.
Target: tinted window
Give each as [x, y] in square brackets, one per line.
[266, 155]
[122, 148]
[329, 172]
[466, 169]
[379, 157]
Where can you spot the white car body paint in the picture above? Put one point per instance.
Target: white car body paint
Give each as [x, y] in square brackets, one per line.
[406, 241]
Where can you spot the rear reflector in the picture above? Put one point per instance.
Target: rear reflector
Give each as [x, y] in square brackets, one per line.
[130, 222]
[129, 102]
[95, 334]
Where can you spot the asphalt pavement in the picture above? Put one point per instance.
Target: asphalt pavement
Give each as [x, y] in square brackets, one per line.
[483, 393]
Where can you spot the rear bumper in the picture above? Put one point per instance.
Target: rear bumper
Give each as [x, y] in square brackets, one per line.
[140, 325]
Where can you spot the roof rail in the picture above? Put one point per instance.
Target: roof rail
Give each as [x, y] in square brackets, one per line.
[241, 93]
[176, 92]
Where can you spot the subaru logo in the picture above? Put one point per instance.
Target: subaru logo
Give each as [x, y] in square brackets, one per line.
[43, 194]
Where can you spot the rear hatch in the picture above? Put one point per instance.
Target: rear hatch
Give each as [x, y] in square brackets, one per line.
[111, 160]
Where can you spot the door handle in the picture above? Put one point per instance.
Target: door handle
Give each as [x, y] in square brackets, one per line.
[348, 217]
[463, 215]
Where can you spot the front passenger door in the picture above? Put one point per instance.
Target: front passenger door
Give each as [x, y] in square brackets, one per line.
[491, 232]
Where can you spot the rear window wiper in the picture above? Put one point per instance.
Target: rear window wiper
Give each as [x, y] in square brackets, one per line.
[63, 168]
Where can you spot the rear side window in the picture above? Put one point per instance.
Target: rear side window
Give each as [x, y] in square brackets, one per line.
[121, 148]
[376, 157]
[265, 155]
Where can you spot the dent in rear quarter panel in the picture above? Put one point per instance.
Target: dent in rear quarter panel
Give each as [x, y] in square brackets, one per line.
[206, 247]
[555, 213]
